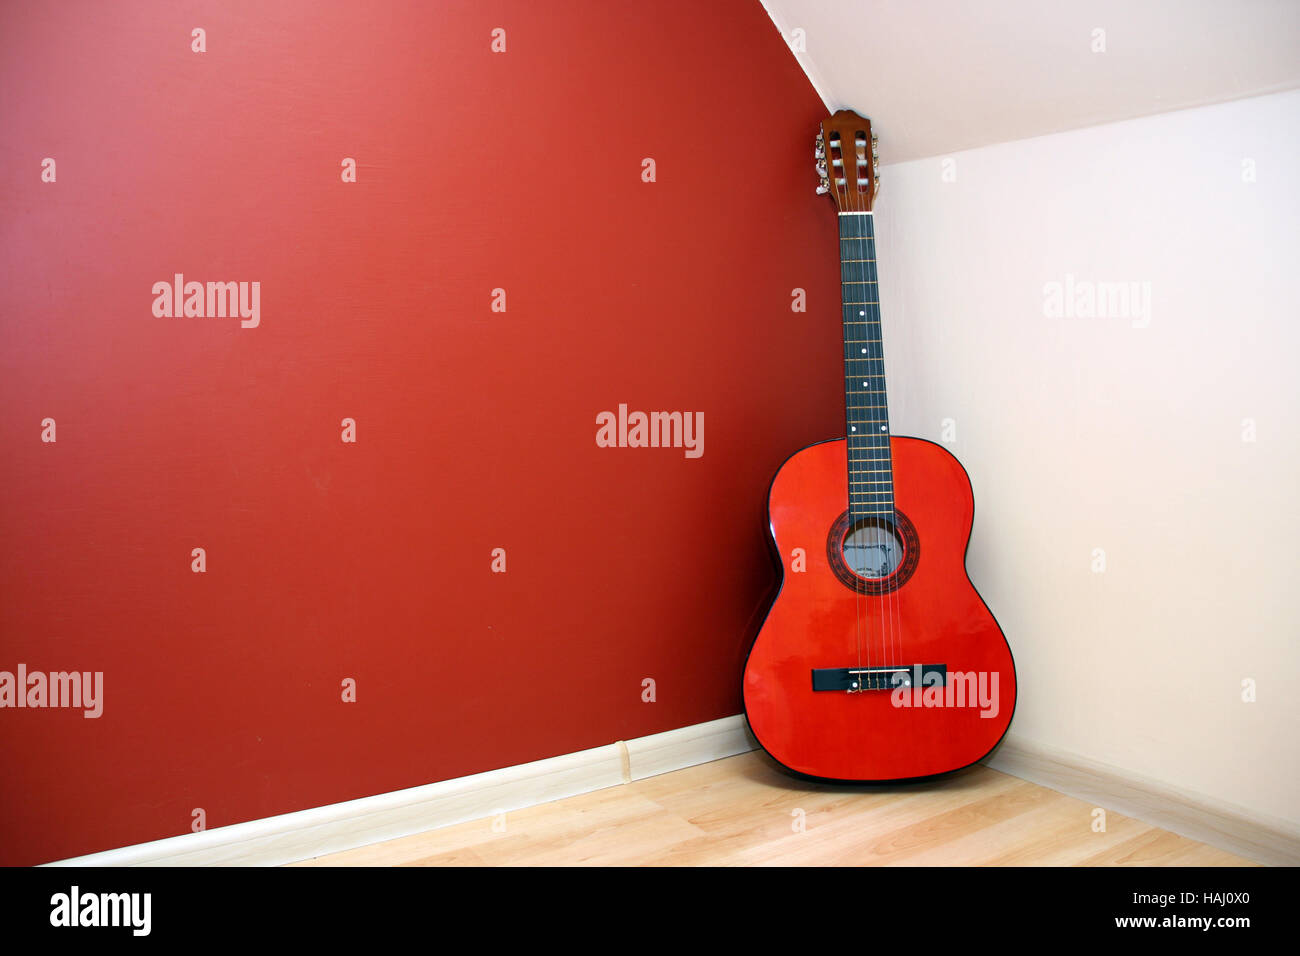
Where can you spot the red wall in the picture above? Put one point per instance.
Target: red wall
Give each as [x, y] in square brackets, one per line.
[475, 429]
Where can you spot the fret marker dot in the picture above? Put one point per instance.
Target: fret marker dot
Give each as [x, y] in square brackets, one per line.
[854, 428]
[864, 351]
[882, 428]
[862, 313]
[864, 384]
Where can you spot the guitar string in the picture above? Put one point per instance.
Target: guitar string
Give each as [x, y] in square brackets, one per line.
[889, 604]
[899, 540]
[869, 442]
[860, 629]
[877, 443]
[856, 446]
[866, 443]
[860, 253]
[894, 543]
[842, 198]
[863, 492]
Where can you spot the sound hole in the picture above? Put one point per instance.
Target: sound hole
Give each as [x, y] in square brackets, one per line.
[873, 550]
[873, 555]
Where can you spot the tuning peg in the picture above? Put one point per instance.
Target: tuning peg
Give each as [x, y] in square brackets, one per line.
[819, 152]
[821, 168]
[823, 187]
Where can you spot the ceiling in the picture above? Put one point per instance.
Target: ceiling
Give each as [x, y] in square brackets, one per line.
[937, 76]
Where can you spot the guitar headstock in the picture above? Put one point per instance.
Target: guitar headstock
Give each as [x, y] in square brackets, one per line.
[848, 171]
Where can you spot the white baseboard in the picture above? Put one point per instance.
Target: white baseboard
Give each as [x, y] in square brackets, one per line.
[344, 826]
[302, 835]
[1229, 827]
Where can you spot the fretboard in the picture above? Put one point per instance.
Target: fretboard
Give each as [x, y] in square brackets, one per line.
[871, 476]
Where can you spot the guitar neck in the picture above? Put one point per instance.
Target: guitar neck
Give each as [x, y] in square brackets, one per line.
[866, 410]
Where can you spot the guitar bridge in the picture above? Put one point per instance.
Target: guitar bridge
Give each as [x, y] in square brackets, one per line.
[856, 679]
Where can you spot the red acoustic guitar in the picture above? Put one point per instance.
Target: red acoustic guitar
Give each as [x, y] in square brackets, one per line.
[878, 660]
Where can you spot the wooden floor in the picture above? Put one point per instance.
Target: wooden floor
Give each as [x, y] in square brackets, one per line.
[742, 811]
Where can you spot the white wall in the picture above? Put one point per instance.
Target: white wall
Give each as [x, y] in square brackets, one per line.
[1083, 433]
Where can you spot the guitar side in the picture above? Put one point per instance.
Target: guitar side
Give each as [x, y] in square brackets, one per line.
[933, 618]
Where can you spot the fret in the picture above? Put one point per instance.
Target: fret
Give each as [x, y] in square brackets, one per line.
[858, 282]
[856, 260]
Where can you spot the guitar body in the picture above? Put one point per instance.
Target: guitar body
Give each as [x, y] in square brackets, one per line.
[925, 615]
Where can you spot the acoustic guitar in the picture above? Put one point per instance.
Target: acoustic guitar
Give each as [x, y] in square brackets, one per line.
[878, 660]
